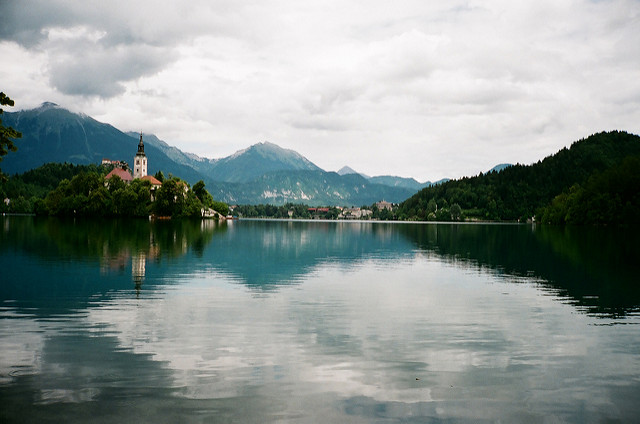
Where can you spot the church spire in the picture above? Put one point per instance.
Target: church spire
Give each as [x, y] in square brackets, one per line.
[141, 145]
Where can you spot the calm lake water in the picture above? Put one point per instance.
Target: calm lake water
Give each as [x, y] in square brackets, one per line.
[345, 322]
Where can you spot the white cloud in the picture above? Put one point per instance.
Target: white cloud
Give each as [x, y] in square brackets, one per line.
[415, 89]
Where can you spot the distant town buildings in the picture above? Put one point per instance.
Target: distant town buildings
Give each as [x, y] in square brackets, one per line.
[355, 213]
[384, 205]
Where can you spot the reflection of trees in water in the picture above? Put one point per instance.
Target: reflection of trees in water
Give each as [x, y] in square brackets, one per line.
[595, 267]
[92, 238]
[112, 242]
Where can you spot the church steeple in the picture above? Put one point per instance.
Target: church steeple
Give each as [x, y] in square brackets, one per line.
[140, 161]
[140, 145]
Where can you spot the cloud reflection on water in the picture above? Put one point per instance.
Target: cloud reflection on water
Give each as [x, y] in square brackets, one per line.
[292, 321]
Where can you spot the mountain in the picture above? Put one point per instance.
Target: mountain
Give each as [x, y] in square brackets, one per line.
[408, 183]
[500, 167]
[260, 159]
[389, 180]
[53, 134]
[594, 181]
[345, 170]
[314, 188]
[262, 173]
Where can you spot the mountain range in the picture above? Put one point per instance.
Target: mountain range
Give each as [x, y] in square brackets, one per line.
[262, 173]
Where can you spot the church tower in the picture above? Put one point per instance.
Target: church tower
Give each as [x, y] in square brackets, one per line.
[140, 161]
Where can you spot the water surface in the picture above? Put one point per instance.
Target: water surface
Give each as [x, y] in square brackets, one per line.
[281, 321]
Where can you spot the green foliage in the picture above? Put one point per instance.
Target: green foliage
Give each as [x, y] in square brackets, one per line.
[80, 190]
[170, 198]
[221, 207]
[520, 192]
[609, 197]
[6, 133]
[35, 184]
[456, 212]
[203, 195]
[159, 176]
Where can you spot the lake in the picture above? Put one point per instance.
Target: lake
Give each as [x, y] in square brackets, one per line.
[289, 321]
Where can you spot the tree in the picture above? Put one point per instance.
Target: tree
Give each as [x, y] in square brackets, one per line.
[203, 195]
[170, 198]
[456, 211]
[431, 206]
[220, 207]
[6, 133]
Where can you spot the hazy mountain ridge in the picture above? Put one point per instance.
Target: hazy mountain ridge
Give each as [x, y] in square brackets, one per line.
[263, 158]
[314, 188]
[394, 181]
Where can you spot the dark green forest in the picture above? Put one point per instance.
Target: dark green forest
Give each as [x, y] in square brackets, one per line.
[595, 181]
[81, 190]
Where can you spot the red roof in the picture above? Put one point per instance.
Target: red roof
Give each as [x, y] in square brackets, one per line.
[124, 175]
[154, 180]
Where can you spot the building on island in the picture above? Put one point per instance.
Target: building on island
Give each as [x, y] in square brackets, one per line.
[155, 183]
[120, 172]
[139, 169]
[116, 163]
[140, 161]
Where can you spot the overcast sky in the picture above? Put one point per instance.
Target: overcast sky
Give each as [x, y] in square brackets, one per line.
[426, 89]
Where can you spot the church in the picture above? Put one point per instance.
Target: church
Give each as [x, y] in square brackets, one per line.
[140, 161]
[140, 167]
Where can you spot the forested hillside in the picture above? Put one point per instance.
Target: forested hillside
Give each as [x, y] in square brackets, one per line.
[562, 188]
[24, 189]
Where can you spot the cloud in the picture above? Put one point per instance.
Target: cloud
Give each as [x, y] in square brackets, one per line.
[96, 47]
[85, 67]
[487, 82]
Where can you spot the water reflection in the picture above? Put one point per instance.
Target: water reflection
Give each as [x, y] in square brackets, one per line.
[304, 321]
[53, 266]
[595, 269]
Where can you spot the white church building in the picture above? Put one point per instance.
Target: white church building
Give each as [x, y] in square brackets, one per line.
[140, 161]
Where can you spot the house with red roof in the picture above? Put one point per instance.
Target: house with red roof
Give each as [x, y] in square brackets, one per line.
[124, 175]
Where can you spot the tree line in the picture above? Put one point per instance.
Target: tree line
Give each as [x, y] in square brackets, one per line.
[81, 190]
[595, 181]
[302, 211]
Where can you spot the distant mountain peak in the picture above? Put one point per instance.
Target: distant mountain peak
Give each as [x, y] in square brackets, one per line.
[49, 105]
[345, 170]
[258, 159]
[500, 167]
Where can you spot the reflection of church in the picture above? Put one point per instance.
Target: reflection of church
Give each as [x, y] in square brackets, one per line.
[138, 269]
